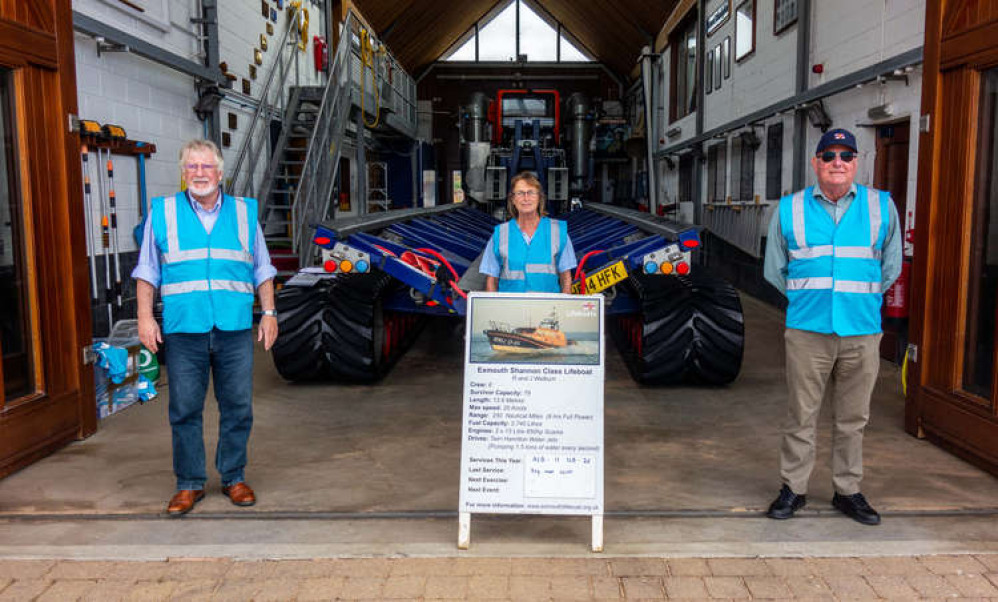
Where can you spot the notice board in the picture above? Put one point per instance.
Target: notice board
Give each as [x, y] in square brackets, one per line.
[532, 430]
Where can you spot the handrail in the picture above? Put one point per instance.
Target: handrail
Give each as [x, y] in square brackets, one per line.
[245, 148]
[313, 195]
[315, 187]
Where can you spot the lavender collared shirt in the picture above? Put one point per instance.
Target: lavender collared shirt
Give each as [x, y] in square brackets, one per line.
[148, 267]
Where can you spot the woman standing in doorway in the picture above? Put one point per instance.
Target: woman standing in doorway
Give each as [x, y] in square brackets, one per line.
[531, 252]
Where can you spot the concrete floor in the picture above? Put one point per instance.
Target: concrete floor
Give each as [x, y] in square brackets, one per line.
[687, 472]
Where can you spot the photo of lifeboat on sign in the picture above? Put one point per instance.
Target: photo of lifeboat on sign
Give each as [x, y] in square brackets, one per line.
[535, 330]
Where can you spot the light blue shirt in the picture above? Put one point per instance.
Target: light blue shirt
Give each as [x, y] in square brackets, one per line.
[490, 262]
[775, 264]
[148, 266]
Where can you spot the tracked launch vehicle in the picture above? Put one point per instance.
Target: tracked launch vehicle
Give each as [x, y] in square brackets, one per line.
[383, 276]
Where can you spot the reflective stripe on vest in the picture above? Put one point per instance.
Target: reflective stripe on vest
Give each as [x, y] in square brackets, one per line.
[191, 286]
[841, 286]
[831, 250]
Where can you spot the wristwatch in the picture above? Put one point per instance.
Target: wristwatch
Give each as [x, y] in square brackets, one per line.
[269, 312]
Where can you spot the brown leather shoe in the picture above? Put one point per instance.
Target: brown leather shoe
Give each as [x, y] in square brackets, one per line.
[183, 501]
[240, 494]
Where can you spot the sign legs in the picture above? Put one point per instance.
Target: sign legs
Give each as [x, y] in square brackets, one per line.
[464, 530]
[597, 533]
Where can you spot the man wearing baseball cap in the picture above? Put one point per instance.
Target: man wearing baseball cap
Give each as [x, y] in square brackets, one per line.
[832, 250]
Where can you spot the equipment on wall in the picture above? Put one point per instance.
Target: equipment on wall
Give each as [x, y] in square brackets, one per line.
[105, 239]
[112, 140]
[88, 209]
[320, 54]
[113, 212]
[368, 60]
[301, 21]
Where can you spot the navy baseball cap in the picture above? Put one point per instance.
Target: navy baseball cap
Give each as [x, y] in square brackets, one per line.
[838, 137]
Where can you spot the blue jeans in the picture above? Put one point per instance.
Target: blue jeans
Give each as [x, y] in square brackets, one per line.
[229, 357]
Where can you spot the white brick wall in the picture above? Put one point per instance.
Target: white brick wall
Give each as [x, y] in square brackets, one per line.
[154, 103]
[761, 79]
[852, 34]
[846, 36]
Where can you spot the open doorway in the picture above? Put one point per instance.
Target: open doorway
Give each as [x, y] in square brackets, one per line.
[890, 173]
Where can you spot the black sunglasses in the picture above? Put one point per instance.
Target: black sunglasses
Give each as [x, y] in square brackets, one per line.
[829, 156]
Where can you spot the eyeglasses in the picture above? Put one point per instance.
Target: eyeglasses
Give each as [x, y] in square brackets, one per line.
[203, 166]
[525, 193]
[829, 156]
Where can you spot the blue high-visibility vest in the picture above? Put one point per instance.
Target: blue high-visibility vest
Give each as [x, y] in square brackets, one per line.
[834, 270]
[533, 267]
[207, 279]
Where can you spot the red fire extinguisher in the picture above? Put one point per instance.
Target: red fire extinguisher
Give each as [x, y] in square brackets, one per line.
[320, 54]
[896, 299]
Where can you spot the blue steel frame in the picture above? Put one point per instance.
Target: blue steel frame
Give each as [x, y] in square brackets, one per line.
[461, 235]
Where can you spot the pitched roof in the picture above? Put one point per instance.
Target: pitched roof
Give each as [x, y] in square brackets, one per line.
[613, 31]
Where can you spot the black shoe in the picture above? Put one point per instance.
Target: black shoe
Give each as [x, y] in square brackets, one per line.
[786, 504]
[856, 507]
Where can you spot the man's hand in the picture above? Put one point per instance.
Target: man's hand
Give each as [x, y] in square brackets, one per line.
[268, 324]
[149, 334]
[267, 331]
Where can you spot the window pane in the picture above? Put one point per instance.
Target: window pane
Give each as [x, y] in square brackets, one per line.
[466, 52]
[538, 40]
[978, 365]
[747, 190]
[726, 56]
[744, 29]
[691, 71]
[570, 53]
[774, 161]
[717, 66]
[784, 14]
[708, 73]
[497, 39]
[716, 171]
[14, 340]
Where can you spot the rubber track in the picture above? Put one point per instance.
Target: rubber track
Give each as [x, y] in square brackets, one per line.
[327, 331]
[692, 331]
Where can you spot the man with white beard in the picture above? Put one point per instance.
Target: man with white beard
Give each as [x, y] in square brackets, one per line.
[206, 253]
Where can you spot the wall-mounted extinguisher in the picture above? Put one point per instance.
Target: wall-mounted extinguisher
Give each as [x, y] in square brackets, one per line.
[896, 299]
[320, 53]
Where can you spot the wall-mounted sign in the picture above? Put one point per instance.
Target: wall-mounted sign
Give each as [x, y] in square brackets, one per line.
[717, 18]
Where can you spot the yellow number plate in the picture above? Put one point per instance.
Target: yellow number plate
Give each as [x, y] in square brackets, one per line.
[603, 279]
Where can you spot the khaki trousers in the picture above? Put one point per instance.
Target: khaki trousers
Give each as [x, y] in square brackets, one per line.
[846, 365]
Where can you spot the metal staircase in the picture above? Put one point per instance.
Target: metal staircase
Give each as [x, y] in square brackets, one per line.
[280, 181]
[296, 188]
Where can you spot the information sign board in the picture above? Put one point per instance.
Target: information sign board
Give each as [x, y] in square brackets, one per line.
[533, 407]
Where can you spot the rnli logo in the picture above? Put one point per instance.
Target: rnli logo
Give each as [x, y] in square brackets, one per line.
[588, 310]
[839, 136]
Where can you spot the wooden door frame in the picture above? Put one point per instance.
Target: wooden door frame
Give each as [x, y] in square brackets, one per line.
[934, 406]
[36, 40]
